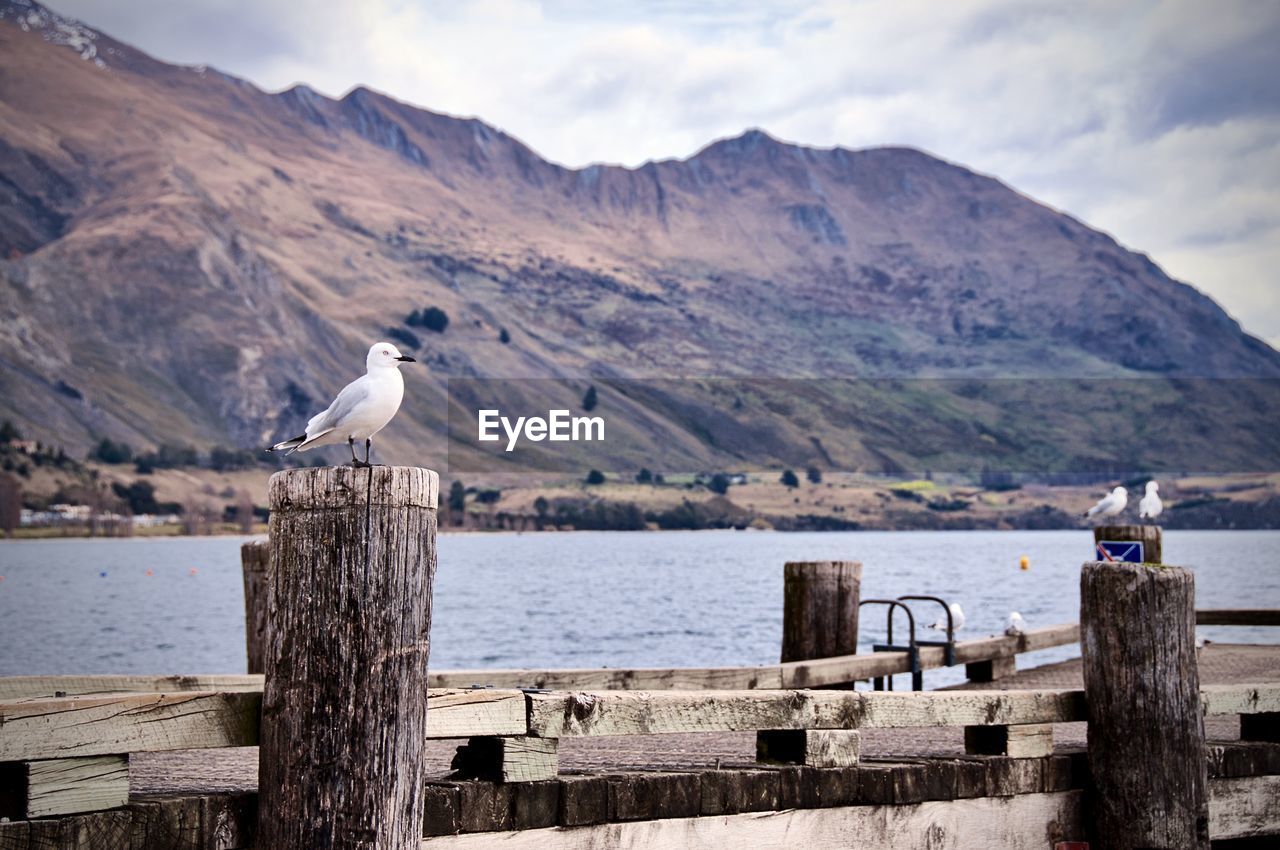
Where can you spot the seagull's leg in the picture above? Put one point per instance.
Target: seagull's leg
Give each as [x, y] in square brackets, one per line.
[368, 447]
[356, 462]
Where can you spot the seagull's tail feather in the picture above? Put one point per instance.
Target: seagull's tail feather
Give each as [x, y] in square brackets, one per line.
[289, 446]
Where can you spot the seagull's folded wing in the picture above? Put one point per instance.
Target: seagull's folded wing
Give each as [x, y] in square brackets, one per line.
[352, 395]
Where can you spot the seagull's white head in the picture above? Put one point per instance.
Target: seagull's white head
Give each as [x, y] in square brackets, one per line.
[384, 355]
[1152, 486]
[1119, 491]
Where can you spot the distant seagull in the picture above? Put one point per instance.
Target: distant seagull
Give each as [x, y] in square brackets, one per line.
[957, 619]
[1151, 507]
[362, 409]
[1015, 625]
[1110, 504]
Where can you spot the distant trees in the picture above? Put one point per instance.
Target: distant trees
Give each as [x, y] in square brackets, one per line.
[140, 496]
[224, 459]
[589, 400]
[457, 496]
[644, 476]
[432, 318]
[814, 475]
[167, 456]
[504, 337]
[109, 451]
[407, 338]
[719, 483]
[9, 431]
[595, 476]
[789, 479]
[488, 497]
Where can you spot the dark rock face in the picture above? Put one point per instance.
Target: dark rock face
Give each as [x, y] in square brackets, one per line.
[195, 256]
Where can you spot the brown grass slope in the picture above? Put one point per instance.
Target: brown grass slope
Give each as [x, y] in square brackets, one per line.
[191, 258]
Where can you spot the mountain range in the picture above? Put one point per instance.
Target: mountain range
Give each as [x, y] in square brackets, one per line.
[188, 258]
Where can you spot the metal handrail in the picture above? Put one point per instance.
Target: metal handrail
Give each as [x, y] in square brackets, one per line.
[948, 645]
[912, 649]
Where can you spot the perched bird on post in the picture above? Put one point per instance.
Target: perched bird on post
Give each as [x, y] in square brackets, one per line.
[957, 619]
[1150, 507]
[1109, 505]
[362, 409]
[1015, 625]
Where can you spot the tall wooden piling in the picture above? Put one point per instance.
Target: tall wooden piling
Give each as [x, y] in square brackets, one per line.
[1148, 535]
[820, 609]
[1146, 730]
[344, 710]
[254, 558]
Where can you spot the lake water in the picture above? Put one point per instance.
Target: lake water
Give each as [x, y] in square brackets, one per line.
[581, 599]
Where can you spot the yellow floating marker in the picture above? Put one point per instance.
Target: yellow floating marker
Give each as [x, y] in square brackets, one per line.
[1024, 562]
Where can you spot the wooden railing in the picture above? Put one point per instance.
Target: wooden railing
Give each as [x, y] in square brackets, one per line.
[514, 734]
[1238, 617]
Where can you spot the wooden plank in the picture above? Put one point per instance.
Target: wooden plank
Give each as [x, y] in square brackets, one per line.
[468, 713]
[107, 725]
[584, 800]
[812, 747]
[1240, 699]
[606, 679]
[1013, 823]
[729, 792]
[70, 786]
[1244, 807]
[1264, 726]
[91, 726]
[560, 715]
[1238, 617]
[886, 709]
[13, 688]
[441, 804]
[517, 759]
[228, 821]
[991, 670]
[645, 796]
[1030, 740]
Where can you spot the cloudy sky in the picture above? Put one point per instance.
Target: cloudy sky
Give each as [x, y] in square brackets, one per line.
[1158, 122]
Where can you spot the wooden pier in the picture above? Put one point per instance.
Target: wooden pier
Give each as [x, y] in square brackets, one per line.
[532, 757]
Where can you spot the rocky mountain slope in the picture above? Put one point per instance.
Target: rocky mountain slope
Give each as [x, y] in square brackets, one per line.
[188, 258]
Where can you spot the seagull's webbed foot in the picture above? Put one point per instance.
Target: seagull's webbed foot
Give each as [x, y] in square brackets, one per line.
[360, 464]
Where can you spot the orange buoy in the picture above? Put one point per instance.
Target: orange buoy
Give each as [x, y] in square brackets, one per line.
[149, 572]
[1025, 563]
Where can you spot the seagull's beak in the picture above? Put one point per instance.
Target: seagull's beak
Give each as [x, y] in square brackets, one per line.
[406, 359]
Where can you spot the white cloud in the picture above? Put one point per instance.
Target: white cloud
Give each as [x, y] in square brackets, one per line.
[1158, 122]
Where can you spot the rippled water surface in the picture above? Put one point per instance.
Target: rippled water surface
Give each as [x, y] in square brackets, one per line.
[579, 599]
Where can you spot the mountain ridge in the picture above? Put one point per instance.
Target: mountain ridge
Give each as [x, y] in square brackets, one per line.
[175, 234]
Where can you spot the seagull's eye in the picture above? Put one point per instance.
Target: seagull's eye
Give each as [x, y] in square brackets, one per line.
[386, 353]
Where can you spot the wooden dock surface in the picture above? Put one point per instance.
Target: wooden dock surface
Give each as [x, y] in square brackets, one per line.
[233, 770]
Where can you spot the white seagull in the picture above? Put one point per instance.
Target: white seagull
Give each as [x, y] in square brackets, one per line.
[1150, 507]
[957, 619]
[1015, 625]
[1110, 504]
[362, 409]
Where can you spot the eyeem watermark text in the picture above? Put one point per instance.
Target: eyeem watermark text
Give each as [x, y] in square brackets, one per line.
[557, 427]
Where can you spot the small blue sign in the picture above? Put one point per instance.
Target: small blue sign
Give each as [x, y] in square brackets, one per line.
[1124, 551]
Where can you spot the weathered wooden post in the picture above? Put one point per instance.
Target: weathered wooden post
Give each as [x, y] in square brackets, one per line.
[344, 711]
[254, 558]
[1148, 535]
[820, 609]
[1146, 730]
